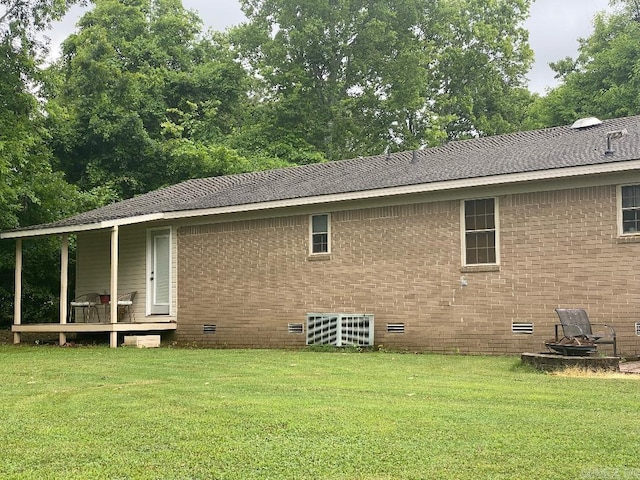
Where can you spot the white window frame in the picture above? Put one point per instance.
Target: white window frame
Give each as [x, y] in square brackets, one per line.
[620, 211]
[312, 233]
[463, 231]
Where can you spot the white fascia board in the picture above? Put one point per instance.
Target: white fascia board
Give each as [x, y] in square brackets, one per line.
[418, 188]
[50, 231]
[133, 220]
[494, 180]
[81, 228]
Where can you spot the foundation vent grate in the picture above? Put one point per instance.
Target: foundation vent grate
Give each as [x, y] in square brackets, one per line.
[208, 329]
[395, 327]
[522, 328]
[339, 329]
[296, 328]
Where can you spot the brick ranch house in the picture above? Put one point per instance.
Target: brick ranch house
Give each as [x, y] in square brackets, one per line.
[467, 247]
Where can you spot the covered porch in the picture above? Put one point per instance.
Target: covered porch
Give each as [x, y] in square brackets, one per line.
[110, 321]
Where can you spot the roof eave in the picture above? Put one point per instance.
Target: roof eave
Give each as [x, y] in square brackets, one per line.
[415, 189]
[48, 231]
[493, 180]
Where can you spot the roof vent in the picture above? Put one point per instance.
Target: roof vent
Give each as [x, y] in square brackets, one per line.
[585, 123]
[614, 136]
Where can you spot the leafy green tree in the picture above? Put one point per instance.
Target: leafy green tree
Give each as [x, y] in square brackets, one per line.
[135, 85]
[604, 80]
[31, 192]
[358, 76]
[482, 58]
[25, 170]
[27, 16]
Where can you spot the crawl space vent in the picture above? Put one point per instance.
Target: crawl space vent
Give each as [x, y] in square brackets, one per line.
[395, 327]
[296, 328]
[638, 328]
[208, 329]
[339, 330]
[525, 328]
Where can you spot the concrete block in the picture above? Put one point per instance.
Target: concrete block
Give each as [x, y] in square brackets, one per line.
[142, 341]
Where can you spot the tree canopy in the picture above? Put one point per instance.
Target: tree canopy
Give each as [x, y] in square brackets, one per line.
[604, 80]
[31, 190]
[356, 77]
[140, 98]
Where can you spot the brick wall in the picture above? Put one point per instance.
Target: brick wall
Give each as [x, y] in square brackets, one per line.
[403, 264]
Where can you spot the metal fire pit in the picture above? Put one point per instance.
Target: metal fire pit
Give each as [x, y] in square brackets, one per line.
[572, 350]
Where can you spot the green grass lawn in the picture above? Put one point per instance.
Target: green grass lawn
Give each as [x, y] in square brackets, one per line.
[94, 412]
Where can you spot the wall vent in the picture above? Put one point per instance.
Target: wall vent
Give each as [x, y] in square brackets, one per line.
[208, 329]
[395, 327]
[525, 328]
[638, 328]
[295, 328]
[339, 330]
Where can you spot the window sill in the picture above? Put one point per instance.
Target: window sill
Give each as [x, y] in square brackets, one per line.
[480, 268]
[319, 257]
[635, 238]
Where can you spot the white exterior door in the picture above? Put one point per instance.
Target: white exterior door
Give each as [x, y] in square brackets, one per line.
[159, 271]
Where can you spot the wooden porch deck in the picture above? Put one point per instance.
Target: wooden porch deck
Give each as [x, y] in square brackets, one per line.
[62, 329]
[93, 327]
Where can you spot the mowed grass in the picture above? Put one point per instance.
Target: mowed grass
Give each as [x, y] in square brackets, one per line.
[95, 412]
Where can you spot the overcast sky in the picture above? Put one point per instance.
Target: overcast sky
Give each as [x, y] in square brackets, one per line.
[554, 26]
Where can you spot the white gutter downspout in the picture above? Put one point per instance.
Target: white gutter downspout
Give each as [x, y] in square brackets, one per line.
[17, 301]
[64, 284]
[113, 341]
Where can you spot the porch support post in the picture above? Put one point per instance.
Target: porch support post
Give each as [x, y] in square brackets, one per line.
[114, 285]
[17, 300]
[64, 284]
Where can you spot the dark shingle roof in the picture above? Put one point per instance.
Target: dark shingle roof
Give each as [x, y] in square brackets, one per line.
[538, 150]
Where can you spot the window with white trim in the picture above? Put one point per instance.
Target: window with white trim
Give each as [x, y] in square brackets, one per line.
[630, 209]
[319, 232]
[480, 232]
